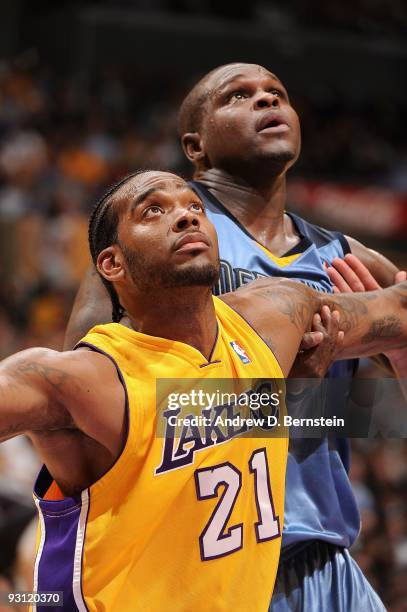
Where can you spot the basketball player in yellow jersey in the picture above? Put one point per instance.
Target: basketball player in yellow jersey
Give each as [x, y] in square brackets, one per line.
[132, 521]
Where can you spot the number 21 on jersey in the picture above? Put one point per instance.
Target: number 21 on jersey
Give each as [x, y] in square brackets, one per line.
[216, 540]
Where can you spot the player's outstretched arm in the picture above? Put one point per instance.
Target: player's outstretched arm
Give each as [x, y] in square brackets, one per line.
[373, 322]
[43, 390]
[92, 307]
[350, 275]
[281, 311]
[32, 393]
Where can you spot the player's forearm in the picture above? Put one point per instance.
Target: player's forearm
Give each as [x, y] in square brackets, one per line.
[92, 306]
[11, 419]
[373, 322]
[21, 406]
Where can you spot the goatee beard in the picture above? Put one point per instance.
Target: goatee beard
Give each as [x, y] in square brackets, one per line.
[147, 276]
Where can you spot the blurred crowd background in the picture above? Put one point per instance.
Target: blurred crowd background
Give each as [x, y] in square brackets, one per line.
[90, 93]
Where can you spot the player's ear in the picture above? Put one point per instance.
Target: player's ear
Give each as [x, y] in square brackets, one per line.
[193, 147]
[110, 263]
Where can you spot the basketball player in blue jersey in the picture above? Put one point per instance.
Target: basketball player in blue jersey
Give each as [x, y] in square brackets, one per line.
[241, 133]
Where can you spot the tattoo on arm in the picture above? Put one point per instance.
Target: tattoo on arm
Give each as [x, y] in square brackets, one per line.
[53, 376]
[288, 301]
[354, 308]
[351, 308]
[23, 378]
[387, 327]
[362, 316]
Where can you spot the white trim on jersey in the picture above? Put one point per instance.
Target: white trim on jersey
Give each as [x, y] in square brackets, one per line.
[39, 551]
[80, 540]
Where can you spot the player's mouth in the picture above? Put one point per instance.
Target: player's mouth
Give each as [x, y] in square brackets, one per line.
[272, 122]
[192, 241]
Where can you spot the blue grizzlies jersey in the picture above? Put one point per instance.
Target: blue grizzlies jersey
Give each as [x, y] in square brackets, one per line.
[319, 502]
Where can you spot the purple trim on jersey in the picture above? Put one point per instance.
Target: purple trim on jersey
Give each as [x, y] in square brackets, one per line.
[56, 565]
[210, 362]
[204, 365]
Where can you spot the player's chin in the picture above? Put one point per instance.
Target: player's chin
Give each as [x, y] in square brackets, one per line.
[280, 152]
[199, 272]
[198, 262]
[280, 148]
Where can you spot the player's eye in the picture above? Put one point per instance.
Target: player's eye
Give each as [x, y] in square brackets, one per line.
[275, 92]
[197, 206]
[237, 95]
[152, 211]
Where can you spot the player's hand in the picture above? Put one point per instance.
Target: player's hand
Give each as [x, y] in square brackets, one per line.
[310, 340]
[351, 275]
[319, 347]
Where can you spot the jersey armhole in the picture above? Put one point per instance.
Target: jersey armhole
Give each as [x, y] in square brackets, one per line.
[107, 476]
[344, 243]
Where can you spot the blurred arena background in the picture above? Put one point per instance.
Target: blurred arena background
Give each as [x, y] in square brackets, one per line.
[89, 91]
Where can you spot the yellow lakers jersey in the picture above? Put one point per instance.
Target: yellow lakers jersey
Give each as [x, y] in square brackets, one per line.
[190, 516]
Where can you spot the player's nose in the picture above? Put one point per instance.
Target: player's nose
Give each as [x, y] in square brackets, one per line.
[185, 219]
[266, 99]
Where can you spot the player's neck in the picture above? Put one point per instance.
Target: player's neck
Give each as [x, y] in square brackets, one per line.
[182, 314]
[259, 208]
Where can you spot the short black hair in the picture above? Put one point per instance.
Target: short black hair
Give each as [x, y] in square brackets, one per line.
[191, 111]
[102, 233]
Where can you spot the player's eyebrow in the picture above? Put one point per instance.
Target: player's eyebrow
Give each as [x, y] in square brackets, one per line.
[148, 192]
[143, 196]
[225, 84]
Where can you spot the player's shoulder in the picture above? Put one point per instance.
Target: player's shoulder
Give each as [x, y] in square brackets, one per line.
[68, 372]
[318, 235]
[258, 294]
[90, 365]
[75, 359]
[383, 269]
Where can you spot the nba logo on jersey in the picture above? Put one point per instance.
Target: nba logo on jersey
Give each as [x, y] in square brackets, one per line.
[240, 352]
